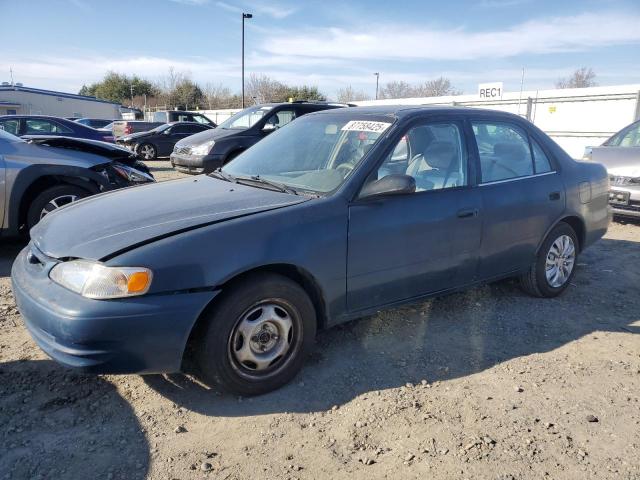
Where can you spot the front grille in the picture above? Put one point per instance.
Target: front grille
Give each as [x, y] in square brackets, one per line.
[182, 150]
[620, 180]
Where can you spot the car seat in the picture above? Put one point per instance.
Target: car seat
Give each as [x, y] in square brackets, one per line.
[437, 167]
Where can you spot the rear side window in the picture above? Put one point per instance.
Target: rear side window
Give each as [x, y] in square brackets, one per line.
[540, 159]
[42, 127]
[504, 151]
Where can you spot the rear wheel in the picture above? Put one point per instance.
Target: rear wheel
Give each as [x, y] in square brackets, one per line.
[554, 266]
[147, 151]
[51, 199]
[257, 336]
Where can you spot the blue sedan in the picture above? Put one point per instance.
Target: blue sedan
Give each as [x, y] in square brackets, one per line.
[333, 217]
[28, 126]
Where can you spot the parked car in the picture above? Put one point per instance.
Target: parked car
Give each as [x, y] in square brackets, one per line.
[336, 216]
[32, 125]
[39, 176]
[206, 151]
[94, 122]
[127, 127]
[621, 156]
[159, 142]
[170, 116]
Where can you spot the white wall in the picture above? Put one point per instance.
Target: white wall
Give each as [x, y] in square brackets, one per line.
[219, 116]
[32, 103]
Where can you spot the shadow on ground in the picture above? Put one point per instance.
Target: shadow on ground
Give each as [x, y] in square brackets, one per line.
[9, 249]
[441, 339]
[62, 425]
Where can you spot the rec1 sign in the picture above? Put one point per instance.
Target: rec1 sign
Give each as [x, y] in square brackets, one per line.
[490, 90]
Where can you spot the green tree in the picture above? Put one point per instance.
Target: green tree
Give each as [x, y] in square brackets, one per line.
[117, 87]
[187, 94]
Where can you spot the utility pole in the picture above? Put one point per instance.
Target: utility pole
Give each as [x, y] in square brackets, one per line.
[131, 86]
[377, 74]
[247, 16]
[11, 74]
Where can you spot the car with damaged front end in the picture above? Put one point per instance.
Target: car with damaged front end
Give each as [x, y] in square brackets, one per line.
[332, 217]
[45, 173]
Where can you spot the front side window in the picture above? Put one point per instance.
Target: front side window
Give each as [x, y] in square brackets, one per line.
[504, 151]
[11, 126]
[315, 153]
[281, 118]
[433, 154]
[43, 127]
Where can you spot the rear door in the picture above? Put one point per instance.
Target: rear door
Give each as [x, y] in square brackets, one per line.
[522, 196]
[405, 246]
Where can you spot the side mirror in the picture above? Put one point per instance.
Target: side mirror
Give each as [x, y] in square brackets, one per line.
[389, 185]
[268, 128]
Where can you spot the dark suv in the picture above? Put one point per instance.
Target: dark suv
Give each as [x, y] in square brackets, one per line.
[211, 149]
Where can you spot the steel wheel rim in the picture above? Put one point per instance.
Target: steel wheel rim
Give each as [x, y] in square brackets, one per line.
[560, 261]
[147, 151]
[263, 339]
[56, 203]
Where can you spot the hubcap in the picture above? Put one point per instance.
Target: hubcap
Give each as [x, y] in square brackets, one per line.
[261, 339]
[147, 152]
[560, 261]
[56, 203]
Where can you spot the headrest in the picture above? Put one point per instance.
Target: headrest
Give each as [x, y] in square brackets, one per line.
[440, 154]
[512, 151]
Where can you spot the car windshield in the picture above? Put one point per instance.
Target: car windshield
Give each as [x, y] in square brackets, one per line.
[8, 136]
[246, 118]
[316, 153]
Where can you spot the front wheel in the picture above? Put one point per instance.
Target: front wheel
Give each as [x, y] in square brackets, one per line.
[51, 199]
[257, 335]
[147, 151]
[554, 266]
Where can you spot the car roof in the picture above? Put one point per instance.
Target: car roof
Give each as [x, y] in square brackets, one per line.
[402, 111]
[186, 123]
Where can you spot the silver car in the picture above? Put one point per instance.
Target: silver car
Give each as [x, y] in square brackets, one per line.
[621, 156]
[46, 173]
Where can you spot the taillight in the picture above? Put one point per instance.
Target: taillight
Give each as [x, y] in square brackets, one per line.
[128, 129]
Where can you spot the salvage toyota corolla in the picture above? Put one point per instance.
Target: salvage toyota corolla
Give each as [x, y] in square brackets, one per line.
[335, 216]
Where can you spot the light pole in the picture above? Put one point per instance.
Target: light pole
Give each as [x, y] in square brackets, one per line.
[244, 15]
[377, 74]
[131, 87]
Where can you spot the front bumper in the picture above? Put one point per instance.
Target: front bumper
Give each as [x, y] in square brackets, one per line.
[196, 164]
[146, 334]
[625, 201]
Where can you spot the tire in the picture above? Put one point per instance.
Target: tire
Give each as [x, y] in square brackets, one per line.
[47, 200]
[252, 314]
[536, 282]
[147, 151]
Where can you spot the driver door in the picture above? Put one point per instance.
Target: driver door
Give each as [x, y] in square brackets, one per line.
[406, 246]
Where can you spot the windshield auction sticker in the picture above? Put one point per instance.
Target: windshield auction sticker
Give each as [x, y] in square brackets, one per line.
[366, 126]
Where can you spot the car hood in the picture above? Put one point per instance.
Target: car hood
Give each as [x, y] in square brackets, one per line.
[134, 136]
[101, 226]
[619, 161]
[207, 135]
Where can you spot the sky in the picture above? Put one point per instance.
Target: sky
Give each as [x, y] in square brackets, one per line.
[63, 44]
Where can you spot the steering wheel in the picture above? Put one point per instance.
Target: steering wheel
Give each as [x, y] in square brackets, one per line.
[347, 167]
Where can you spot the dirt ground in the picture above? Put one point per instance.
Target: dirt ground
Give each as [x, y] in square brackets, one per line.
[486, 384]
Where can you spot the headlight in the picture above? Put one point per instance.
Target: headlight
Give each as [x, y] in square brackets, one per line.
[203, 148]
[95, 280]
[131, 174]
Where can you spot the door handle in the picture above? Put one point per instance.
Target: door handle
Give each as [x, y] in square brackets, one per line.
[467, 213]
[554, 196]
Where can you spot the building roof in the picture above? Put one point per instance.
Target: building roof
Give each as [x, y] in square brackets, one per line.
[39, 91]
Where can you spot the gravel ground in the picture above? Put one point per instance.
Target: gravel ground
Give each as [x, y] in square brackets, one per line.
[486, 384]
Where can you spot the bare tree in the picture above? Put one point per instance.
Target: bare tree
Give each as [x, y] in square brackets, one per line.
[581, 78]
[219, 96]
[396, 89]
[348, 94]
[264, 89]
[439, 87]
